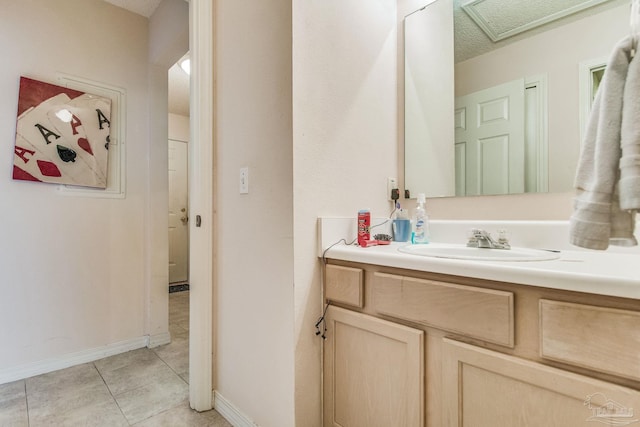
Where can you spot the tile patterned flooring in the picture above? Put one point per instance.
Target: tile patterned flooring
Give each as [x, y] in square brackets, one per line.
[144, 387]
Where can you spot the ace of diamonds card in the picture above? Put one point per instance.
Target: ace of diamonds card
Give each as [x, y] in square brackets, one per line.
[62, 135]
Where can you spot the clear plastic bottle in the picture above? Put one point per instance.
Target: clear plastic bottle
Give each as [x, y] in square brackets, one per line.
[420, 222]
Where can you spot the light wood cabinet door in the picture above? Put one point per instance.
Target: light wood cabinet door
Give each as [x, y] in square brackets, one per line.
[373, 372]
[483, 388]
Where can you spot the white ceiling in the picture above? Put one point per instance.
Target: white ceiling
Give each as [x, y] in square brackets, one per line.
[178, 79]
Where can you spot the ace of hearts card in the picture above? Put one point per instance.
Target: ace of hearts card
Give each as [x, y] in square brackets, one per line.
[62, 135]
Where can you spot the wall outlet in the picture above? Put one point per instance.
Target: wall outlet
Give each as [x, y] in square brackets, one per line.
[244, 180]
[392, 183]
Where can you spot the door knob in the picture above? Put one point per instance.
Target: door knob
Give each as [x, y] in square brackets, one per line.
[184, 219]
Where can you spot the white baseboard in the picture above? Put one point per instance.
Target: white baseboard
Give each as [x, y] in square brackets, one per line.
[27, 370]
[159, 339]
[230, 412]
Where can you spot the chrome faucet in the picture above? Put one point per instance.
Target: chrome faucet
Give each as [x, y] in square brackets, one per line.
[479, 238]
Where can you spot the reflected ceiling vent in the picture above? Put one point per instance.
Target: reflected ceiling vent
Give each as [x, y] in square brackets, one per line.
[501, 19]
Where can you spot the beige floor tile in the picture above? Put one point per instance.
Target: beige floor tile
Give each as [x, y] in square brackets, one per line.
[179, 304]
[179, 309]
[180, 320]
[13, 405]
[178, 331]
[45, 406]
[151, 399]
[121, 360]
[130, 372]
[64, 391]
[64, 379]
[176, 353]
[184, 324]
[98, 414]
[177, 298]
[215, 419]
[12, 390]
[183, 415]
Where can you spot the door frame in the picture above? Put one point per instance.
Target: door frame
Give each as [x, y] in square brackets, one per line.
[586, 94]
[541, 143]
[202, 262]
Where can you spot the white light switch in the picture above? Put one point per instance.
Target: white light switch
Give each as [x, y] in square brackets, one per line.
[244, 180]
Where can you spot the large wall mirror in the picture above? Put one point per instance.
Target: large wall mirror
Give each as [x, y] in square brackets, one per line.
[497, 92]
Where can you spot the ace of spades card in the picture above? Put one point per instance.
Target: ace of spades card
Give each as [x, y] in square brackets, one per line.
[62, 135]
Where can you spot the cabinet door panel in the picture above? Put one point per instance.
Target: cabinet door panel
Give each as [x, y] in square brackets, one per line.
[600, 338]
[483, 388]
[344, 285]
[486, 314]
[373, 372]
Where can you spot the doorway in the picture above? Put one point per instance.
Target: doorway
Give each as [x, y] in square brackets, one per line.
[178, 95]
[178, 149]
[178, 216]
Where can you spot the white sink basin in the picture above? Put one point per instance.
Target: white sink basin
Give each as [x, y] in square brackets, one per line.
[452, 251]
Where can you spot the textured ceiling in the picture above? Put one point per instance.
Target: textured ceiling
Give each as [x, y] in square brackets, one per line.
[471, 41]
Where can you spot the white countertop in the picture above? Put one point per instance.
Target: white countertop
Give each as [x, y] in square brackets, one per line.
[602, 273]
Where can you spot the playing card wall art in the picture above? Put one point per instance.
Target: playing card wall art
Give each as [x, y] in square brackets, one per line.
[62, 135]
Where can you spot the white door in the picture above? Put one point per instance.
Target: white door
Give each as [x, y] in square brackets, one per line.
[489, 138]
[178, 215]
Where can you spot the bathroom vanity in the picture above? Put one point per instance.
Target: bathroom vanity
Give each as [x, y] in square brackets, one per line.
[417, 341]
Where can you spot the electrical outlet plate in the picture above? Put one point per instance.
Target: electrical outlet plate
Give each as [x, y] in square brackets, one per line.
[392, 183]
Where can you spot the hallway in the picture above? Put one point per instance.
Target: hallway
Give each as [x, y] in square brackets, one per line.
[144, 387]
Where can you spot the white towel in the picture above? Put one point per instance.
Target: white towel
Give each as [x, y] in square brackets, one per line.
[630, 139]
[597, 219]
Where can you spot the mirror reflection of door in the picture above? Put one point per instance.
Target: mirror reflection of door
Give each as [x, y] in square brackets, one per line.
[490, 135]
[500, 135]
[178, 214]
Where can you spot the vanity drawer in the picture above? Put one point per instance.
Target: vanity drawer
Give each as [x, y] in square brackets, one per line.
[344, 285]
[599, 338]
[485, 314]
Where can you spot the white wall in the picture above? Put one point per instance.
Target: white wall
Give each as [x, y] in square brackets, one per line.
[168, 41]
[169, 32]
[557, 53]
[72, 268]
[428, 34]
[345, 126]
[253, 311]
[178, 127]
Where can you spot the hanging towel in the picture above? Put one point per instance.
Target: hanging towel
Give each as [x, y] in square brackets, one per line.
[630, 140]
[597, 219]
